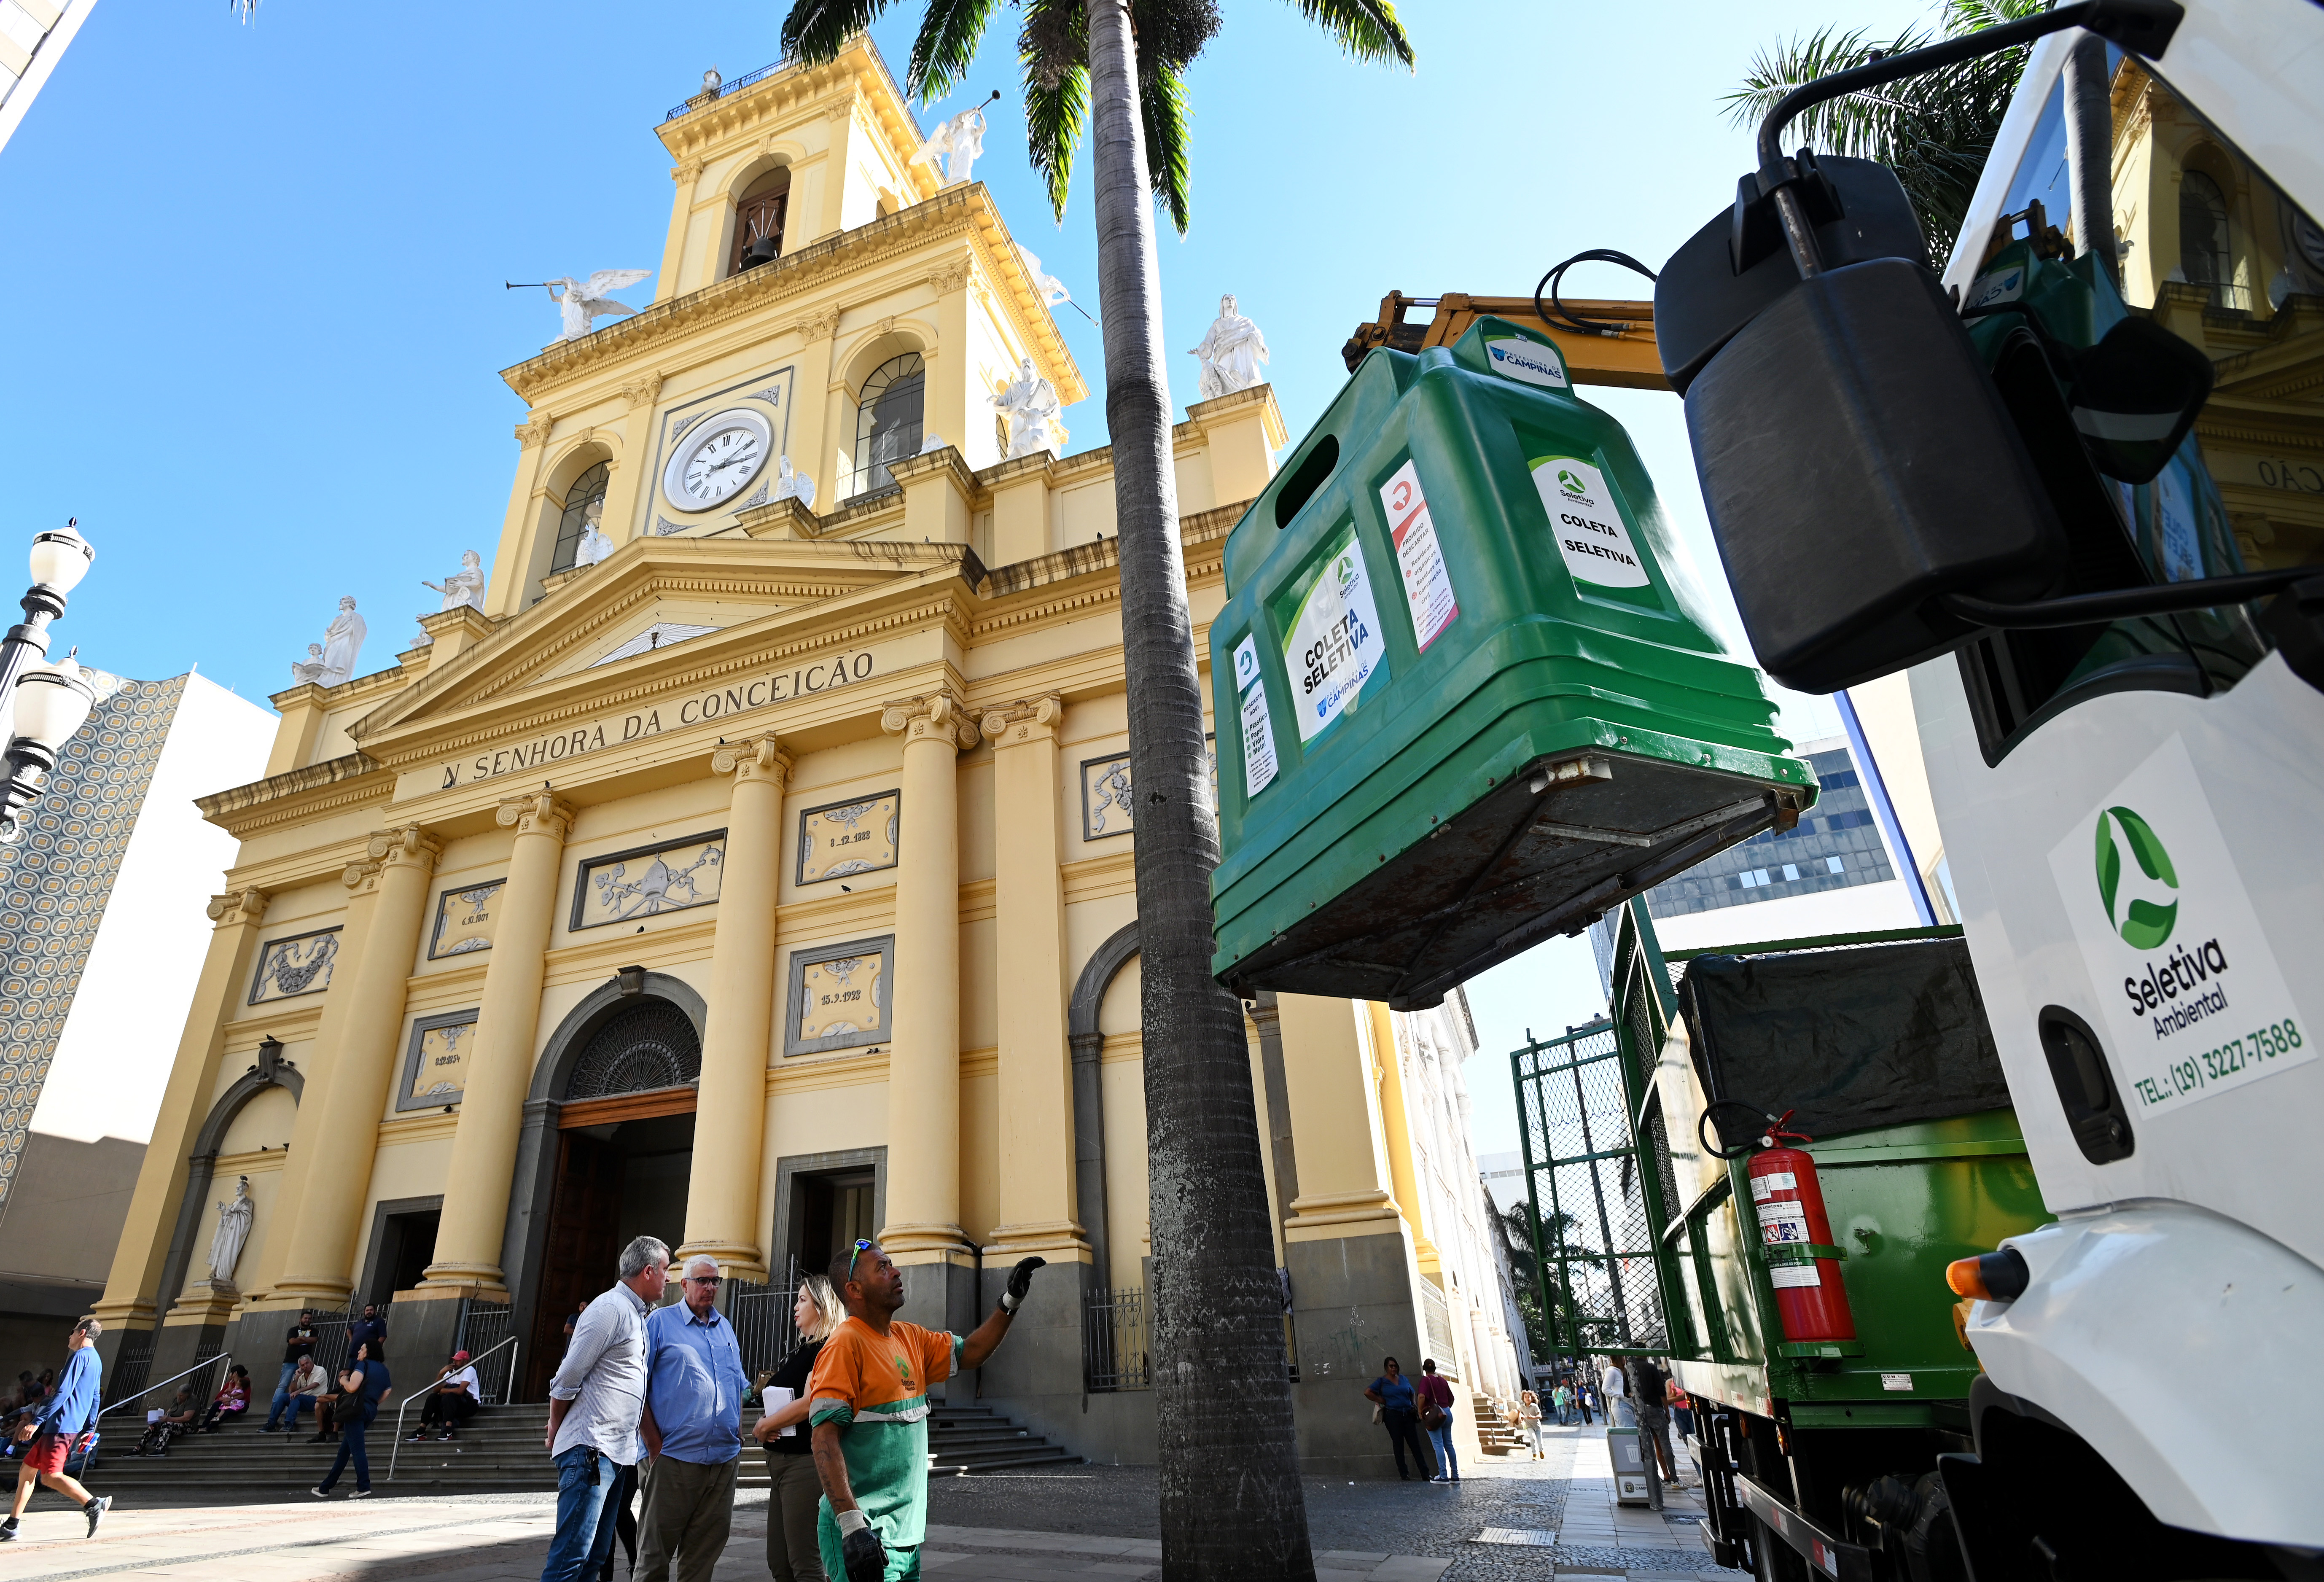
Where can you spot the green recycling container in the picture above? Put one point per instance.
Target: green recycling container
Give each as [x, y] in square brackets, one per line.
[1463, 701]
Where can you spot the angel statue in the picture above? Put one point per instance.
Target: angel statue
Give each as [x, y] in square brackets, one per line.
[1053, 290]
[583, 301]
[962, 139]
[232, 1231]
[1029, 404]
[790, 484]
[464, 586]
[595, 546]
[1231, 351]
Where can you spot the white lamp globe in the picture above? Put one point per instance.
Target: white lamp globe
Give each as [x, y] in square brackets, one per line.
[52, 702]
[60, 557]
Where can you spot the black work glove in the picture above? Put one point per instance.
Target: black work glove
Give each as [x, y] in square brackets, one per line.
[1020, 1283]
[862, 1554]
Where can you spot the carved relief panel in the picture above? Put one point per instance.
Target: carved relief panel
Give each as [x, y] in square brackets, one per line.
[840, 839]
[299, 964]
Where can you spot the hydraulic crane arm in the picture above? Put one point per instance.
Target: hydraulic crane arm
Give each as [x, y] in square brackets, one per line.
[1627, 359]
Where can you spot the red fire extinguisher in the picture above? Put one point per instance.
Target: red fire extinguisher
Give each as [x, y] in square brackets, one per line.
[1787, 1205]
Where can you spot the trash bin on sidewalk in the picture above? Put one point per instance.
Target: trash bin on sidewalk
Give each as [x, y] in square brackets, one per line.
[1465, 697]
[1631, 1486]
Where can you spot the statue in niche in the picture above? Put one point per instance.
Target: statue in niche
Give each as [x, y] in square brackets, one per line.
[792, 485]
[595, 545]
[1029, 404]
[1232, 351]
[961, 140]
[233, 1230]
[582, 302]
[333, 661]
[464, 586]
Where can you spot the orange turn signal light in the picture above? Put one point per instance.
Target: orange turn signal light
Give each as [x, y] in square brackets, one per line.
[1991, 1277]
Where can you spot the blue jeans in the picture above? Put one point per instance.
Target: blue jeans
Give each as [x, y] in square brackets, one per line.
[1448, 1461]
[281, 1393]
[351, 1447]
[586, 1517]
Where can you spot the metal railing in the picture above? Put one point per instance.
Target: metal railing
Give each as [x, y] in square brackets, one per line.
[223, 1359]
[429, 1389]
[484, 1328]
[130, 1368]
[761, 1313]
[1441, 1348]
[1114, 1353]
[737, 86]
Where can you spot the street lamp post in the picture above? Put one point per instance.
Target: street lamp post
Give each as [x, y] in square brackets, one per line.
[47, 703]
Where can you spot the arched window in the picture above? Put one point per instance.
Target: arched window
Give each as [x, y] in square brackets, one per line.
[587, 490]
[2205, 257]
[888, 421]
[758, 222]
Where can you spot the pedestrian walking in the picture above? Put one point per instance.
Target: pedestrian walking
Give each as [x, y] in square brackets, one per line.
[1529, 1420]
[1563, 1397]
[793, 1492]
[594, 1401]
[867, 1402]
[1614, 1391]
[1396, 1405]
[371, 1331]
[56, 1427]
[1682, 1406]
[297, 1346]
[1435, 1394]
[1648, 1383]
[364, 1386]
[693, 1431]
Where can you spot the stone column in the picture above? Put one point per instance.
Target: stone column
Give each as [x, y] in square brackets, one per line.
[730, 1117]
[1036, 1094]
[924, 989]
[356, 1075]
[132, 1290]
[477, 1182]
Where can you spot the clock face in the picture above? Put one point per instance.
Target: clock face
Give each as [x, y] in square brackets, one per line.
[717, 458]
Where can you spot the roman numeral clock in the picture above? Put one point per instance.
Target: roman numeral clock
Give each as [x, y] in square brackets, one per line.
[717, 460]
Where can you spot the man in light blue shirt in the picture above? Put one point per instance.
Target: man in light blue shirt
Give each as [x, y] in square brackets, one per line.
[693, 1431]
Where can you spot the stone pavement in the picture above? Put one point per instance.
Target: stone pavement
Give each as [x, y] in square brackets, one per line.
[1095, 1524]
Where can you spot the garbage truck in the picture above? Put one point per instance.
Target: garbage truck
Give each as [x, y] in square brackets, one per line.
[2069, 480]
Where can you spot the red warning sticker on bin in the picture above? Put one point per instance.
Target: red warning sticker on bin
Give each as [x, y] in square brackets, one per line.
[1427, 582]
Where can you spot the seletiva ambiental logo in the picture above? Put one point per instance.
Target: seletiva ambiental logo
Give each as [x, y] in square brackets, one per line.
[2142, 923]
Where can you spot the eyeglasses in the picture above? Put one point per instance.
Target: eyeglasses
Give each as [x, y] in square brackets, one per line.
[703, 1279]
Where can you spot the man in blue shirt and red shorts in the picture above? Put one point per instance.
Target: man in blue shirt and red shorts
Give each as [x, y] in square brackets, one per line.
[51, 1436]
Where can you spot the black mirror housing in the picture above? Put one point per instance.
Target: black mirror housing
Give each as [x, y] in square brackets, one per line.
[1856, 463]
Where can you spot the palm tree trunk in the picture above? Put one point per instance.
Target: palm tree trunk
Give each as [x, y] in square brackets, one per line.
[1232, 1505]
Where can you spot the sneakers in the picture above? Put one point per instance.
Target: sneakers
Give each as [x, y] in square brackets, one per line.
[448, 1434]
[270, 1429]
[1440, 1477]
[320, 1493]
[415, 1438]
[94, 1511]
[8, 1530]
[360, 1494]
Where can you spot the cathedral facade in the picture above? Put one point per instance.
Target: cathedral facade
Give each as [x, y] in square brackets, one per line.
[753, 867]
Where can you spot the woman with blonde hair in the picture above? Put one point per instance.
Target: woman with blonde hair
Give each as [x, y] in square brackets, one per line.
[794, 1489]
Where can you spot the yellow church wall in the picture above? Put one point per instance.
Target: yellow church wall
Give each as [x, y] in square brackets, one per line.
[978, 810]
[980, 1139]
[263, 1121]
[982, 982]
[1121, 1074]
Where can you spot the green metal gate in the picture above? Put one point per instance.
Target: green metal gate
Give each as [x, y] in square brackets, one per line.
[1599, 1197]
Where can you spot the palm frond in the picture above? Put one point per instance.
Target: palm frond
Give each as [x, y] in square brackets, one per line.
[1162, 96]
[816, 30]
[1053, 118]
[946, 45]
[1367, 29]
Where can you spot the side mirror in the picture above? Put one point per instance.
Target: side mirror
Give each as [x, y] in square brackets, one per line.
[1857, 464]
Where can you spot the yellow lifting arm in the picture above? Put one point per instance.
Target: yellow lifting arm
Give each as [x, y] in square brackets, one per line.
[1627, 359]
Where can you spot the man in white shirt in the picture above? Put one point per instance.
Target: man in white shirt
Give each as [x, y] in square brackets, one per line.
[595, 1403]
[452, 1400]
[1615, 1388]
[308, 1384]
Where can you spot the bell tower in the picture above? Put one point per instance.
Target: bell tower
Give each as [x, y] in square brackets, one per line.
[830, 322]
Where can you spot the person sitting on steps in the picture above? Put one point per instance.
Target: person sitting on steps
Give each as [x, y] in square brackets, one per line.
[453, 1397]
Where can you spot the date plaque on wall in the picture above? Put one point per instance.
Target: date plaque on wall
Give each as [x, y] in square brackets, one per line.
[840, 839]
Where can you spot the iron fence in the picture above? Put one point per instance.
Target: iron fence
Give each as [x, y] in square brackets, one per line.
[131, 1368]
[737, 86]
[483, 1327]
[1114, 1345]
[331, 1342]
[760, 1312]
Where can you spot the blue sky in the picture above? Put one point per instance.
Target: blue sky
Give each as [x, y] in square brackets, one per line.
[254, 273]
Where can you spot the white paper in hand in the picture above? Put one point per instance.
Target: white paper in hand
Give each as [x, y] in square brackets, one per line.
[777, 1397]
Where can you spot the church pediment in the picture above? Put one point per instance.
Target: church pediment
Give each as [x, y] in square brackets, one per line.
[660, 608]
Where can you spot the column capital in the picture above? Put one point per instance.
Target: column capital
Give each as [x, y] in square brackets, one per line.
[1025, 720]
[535, 813]
[355, 875]
[408, 847]
[238, 907]
[759, 758]
[932, 717]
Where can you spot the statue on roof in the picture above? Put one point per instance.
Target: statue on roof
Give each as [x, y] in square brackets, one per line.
[961, 140]
[793, 484]
[333, 660]
[595, 546]
[1232, 351]
[464, 586]
[582, 302]
[1029, 404]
